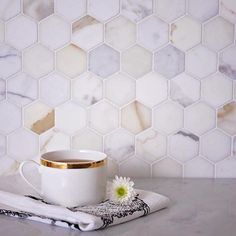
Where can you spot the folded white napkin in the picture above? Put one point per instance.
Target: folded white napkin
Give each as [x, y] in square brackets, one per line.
[84, 218]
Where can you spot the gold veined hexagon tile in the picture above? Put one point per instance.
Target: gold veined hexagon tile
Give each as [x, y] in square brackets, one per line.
[135, 117]
[38, 9]
[38, 117]
[71, 60]
[226, 118]
[83, 31]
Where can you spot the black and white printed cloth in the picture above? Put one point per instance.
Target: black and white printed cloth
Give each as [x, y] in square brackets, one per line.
[86, 218]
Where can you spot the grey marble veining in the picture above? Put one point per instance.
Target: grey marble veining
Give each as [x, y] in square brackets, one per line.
[198, 207]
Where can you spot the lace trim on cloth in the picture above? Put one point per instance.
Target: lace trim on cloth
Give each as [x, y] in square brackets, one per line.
[44, 219]
[108, 210]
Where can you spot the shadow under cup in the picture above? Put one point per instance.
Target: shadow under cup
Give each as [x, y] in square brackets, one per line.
[72, 178]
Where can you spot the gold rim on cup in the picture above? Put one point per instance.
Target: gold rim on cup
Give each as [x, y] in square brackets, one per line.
[75, 165]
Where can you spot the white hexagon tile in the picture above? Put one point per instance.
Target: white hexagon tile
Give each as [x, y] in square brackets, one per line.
[87, 139]
[104, 61]
[119, 145]
[123, 96]
[169, 61]
[10, 60]
[120, 33]
[169, 10]
[83, 31]
[152, 89]
[54, 32]
[22, 89]
[184, 89]
[216, 145]
[21, 32]
[153, 33]
[53, 140]
[147, 82]
[87, 89]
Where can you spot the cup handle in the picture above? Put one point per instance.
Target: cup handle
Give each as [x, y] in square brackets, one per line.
[21, 170]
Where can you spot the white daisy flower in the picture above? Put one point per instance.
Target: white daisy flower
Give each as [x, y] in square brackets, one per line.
[122, 191]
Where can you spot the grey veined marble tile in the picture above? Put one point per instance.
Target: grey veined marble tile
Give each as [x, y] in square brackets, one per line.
[169, 61]
[104, 61]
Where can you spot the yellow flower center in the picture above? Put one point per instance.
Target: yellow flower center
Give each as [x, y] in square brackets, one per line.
[121, 192]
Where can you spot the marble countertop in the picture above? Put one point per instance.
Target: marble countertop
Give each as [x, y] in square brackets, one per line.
[198, 207]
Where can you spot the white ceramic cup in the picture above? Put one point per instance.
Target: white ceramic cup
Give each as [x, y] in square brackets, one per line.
[71, 183]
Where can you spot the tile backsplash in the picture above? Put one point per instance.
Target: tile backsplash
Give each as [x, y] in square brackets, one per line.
[151, 83]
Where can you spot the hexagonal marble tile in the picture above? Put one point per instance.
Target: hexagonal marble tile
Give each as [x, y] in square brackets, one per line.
[201, 62]
[203, 10]
[10, 60]
[151, 89]
[112, 168]
[8, 166]
[198, 168]
[120, 33]
[134, 167]
[21, 32]
[228, 9]
[234, 146]
[70, 117]
[2, 31]
[9, 9]
[184, 145]
[170, 10]
[217, 89]
[226, 118]
[199, 118]
[135, 117]
[3, 145]
[38, 61]
[83, 31]
[70, 9]
[104, 10]
[119, 145]
[234, 92]
[169, 61]
[104, 61]
[54, 89]
[153, 33]
[136, 61]
[2, 89]
[71, 60]
[104, 117]
[38, 117]
[167, 167]
[53, 140]
[226, 168]
[87, 89]
[38, 9]
[216, 145]
[227, 62]
[126, 91]
[151, 145]
[54, 32]
[185, 33]
[184, 89]
[136, 10]
[23, 145]
[168, 117]
[22, 89]
[7, 111]
[87, 139]
[223, 28]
